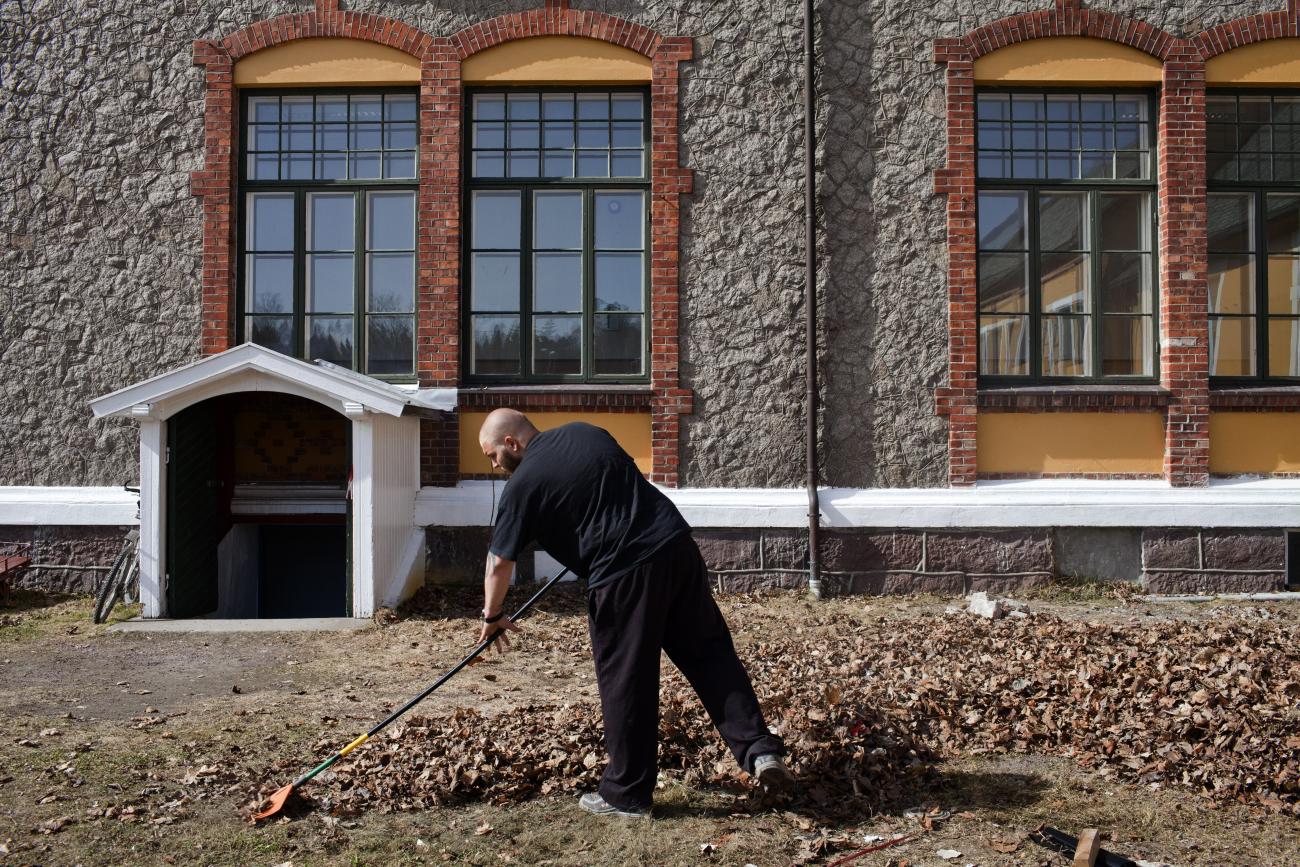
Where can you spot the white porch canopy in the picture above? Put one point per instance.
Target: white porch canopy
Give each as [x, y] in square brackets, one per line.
[387, 548]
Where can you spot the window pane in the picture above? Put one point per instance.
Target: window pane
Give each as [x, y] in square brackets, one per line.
[489, 107]
[630, 106]
[332, 167]
[1231, 283]
[1231, 222]
[399, 107]
[557, 282]
[1232, 346]
[329, 223]
[593, 135]
[1063, 221]
[1284, 347]
[524, 164]
[1283, 223]
[494, 281]
[593, 164]
[390, 345]
[1221, 167]
[523, 106]
[1066, 346]
[993, 106]
[496, 221]
[263, 167]
[1064, 281]
[557, 135]
[620, 221]
[363, 166]
[270, 222]
[332, 137]
[617, 345]
[1125, 283]
[557, 106]
[524, 135]
[1125, 221]
[1221, 108]
[557, 220]
[1283, 284]
[1126, 348]
[366, 137]
[330, 338]
[367, 108]
[270, 284]
[273, 332]
[297, 137]
[392, 282]
[489, 135]
[557, 345]
[264, 109]
[332, 108]
[495, 344]
[264, 137]
[626, 135]
[1221, 137]
[619, 281]
[557, 164]
[1002, 220]
[626, 164]
[593, 106]
[1004, 345]
[329, 283]
[489, 164]
[399, 164]
[391, 221]
[1004, 282]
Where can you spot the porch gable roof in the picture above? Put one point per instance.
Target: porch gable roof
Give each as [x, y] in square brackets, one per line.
[259, 368]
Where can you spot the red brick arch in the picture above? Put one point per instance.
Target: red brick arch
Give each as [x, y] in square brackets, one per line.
[1224, 37]
[439, 218]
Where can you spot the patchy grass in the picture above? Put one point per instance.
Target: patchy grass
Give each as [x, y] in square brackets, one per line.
[1083, 589]
[29, 614]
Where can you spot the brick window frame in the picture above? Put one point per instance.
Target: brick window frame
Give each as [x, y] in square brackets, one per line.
[1180, 123]
[438, 240]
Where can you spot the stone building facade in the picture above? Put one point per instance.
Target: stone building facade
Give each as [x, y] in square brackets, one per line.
[126, 148]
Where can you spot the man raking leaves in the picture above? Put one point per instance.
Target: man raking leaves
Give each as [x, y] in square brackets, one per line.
[580, 497]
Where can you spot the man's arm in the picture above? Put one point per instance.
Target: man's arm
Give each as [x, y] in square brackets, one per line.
[496, 583]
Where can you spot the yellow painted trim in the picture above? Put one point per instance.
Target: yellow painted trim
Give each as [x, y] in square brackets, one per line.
[1067, 60]
[1070, 442]
[556, 60]
[1273, 61]
[1254, 442]
[327, 61]
[630, 429]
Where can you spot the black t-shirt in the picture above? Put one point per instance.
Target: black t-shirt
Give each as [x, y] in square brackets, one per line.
[579, 496]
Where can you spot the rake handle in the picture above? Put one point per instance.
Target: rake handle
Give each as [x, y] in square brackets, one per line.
[474, 654]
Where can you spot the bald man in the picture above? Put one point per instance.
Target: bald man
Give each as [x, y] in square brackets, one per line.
[581, 498]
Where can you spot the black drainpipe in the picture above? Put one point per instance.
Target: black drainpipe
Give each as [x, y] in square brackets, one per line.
[810, 294]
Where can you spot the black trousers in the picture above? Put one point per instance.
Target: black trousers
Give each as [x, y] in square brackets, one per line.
[666, 604]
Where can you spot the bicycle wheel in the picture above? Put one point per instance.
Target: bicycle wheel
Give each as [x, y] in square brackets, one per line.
[113, 584]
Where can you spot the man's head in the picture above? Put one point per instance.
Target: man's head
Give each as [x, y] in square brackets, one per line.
[504, 436]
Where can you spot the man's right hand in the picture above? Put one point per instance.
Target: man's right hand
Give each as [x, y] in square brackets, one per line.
[504, 626]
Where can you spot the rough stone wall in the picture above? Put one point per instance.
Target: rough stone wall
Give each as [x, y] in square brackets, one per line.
[102, 124]
[66, 546]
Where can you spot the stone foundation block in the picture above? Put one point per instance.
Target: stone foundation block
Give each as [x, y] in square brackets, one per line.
[1244, 549]
[743, 582]
[1170, 549]
[990, 552]
[870, 552]
[1189, 581]
[1001, 585]
[729, 550]
[72, 546]
[903, 583]
[785, 549]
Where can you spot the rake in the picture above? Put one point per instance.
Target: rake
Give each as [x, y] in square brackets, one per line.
[275, 803]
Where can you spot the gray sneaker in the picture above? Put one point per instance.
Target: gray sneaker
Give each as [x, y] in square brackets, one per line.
[772, 774]
[593, 803]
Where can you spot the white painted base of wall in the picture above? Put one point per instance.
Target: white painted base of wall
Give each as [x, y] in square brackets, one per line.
[1036, 503]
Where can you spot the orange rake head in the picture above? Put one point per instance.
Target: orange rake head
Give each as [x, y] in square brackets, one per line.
[275, 803]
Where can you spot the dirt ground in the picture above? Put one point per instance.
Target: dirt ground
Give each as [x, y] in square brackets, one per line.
[143, 748]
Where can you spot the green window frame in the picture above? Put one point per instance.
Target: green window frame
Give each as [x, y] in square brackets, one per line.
[556, 253]
[327, 207]
[1066, 237]
[1253, 246]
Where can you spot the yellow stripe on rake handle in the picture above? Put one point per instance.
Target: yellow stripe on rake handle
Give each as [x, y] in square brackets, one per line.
[352, 746]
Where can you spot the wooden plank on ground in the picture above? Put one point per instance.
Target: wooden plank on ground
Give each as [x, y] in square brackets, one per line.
[1085, 854]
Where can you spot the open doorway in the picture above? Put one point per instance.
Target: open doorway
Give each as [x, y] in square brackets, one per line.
[257, 510]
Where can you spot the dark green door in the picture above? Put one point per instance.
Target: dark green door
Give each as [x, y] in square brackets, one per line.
[193, 510]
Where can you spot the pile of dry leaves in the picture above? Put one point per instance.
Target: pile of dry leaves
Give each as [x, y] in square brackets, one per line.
[866, 707]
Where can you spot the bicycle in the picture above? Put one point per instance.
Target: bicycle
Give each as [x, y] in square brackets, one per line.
[123, 581]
